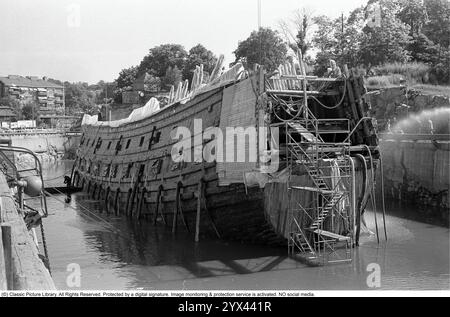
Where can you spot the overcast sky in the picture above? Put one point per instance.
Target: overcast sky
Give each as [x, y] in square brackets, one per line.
[48, 38]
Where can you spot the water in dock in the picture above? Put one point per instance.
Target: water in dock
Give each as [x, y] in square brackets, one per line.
[116, 253]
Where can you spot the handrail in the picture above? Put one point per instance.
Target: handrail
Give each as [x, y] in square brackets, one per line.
[38, 169]
[354, 129]
[7, 160]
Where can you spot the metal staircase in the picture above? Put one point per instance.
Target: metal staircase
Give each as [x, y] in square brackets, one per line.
[306, 147]
[319, 228]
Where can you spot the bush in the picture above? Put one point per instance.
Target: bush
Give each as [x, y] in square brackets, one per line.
[413, 72]
[386, 80]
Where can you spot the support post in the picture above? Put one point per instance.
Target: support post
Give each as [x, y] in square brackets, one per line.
[158, 206]
[199, 208]
[7, 253]
[175, 210]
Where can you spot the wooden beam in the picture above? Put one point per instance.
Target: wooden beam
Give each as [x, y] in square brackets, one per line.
[301, 92]
[199, 208]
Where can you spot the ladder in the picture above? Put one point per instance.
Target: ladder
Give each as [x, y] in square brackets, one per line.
[306, 147]
[298, 239]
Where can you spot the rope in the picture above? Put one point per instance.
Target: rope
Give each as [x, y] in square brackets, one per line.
[59, 176]
[44, 244]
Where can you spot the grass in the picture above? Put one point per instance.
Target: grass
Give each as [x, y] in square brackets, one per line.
[413, 75]
[385, 81]
[433, 89]
[413, 72]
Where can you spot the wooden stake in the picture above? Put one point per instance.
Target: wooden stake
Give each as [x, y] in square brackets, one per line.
[209, 214]
[180, 209]
[158, 206]
[199, 208]
[175, 211]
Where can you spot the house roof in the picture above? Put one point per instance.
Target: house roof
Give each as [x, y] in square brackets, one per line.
[6, 112]
[32, 82]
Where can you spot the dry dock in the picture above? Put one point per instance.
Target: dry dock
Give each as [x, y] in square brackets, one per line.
[20, 266]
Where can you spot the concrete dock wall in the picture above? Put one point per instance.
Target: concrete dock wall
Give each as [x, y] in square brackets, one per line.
[49, 144]
[41, 141]
[417, 171]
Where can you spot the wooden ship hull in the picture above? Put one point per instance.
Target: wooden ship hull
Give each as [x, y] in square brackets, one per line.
[130, 164]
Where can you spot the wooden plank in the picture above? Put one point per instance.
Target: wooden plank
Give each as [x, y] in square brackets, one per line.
[301, 92]
[332, 235]
[3, 264]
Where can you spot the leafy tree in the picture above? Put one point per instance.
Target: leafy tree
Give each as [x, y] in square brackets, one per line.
[199, 55]
[422, 49]
[160, 58]
[152, 83]
[386, 42]
[437, 29]
[104, 91]
[172, 77]
[127, 77]
[414, 14]
[28, 112]
[264, 47]
[338, 39]
[79, 98]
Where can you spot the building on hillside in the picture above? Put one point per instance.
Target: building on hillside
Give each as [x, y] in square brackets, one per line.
[48, 95]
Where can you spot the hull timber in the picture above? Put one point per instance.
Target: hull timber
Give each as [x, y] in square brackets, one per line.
[130, 168]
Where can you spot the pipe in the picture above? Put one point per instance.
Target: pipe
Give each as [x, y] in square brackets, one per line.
[363, 193]
[372, 167]
[353, 196]
[382, 196]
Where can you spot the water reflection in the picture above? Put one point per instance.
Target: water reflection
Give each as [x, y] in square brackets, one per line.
[115, 253]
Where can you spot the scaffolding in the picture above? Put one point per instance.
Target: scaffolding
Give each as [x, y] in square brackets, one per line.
[321, 230]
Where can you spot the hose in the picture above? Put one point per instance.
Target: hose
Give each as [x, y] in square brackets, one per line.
[373, 192]
[382, 196]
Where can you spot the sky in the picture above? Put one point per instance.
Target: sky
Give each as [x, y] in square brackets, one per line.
[92, 40]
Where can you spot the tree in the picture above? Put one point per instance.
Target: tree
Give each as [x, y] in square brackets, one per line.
[296, 31]
[152, 83]
[414, 14]
[160, 58]
[172, 77]
[28, 112]
[199, 55]
[79, 98]
[385, 42]
[264, 47]
[437, 29]
[104, 91]
[127, 77]
[338, 39]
